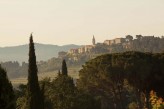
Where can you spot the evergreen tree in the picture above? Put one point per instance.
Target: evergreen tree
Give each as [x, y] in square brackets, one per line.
[35, 97]
[64, 68]
[7, 97]
[62, 92]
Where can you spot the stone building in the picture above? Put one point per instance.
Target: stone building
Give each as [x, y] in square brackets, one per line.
[114, 41]
[119, 40]
[88, 48]
[81, 50]
[109, 42]
[73, 51]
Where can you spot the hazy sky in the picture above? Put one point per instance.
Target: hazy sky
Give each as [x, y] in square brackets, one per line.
[75, 21]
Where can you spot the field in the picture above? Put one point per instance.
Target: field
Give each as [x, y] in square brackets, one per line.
[73, 72]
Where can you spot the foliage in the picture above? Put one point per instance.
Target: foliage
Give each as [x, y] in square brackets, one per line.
[64, 68]
[105, 76]
[35, 98]
[21, 103]
[63, 90]
[21, 96]
[7, 97]
[133, 105]
[156, 102]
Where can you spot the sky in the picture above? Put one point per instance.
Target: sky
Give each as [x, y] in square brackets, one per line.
[62, 22]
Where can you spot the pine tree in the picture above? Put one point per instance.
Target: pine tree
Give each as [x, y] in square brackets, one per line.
[7, 97]
[35, 97]
[64, 68]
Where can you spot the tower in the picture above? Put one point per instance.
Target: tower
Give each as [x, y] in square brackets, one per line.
[93, 40]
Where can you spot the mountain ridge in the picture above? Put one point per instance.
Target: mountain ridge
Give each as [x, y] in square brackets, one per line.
[43, 52]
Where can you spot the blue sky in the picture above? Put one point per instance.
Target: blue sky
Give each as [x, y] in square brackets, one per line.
[63, 22]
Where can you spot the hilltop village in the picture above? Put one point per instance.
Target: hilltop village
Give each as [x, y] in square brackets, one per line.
[88, 48]
[139, 43]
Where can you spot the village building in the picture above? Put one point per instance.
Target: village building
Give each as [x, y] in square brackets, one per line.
[88, 48]
[114, 41]
[108, 42]
[119, 40]
[81, 50]
[73, 51]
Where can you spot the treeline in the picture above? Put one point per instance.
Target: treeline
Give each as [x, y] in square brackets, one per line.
[14, 69]
[147, 44]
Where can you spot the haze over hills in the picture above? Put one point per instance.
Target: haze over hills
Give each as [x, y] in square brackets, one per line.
[43, 52]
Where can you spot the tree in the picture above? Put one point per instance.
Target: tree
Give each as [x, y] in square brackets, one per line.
[129, 37]
[139, 37]
[7, 97]
[21, 95]
[35, 97]
[64, 68]
[105, 77]
[63, 92]
[156, 102]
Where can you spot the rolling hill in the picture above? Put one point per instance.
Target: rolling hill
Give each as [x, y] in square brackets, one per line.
[43, 52]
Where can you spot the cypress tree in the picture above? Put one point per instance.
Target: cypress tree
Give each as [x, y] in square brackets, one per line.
[7, 97]
[35, 97]
[64, 68]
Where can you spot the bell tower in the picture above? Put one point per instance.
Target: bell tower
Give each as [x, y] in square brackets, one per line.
[93, 40]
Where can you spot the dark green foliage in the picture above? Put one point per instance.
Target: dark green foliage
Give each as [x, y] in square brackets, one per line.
[46, 91]
[64, 68]
[63, 92]
[7, 97]
[21, 95]
[35, 98]
[105, 77]
[21, 90]
[86, 101]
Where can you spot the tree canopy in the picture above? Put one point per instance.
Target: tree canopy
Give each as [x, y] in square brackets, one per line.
[7, 97]
[106, 75]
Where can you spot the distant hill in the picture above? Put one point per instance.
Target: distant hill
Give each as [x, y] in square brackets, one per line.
[43, 52]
